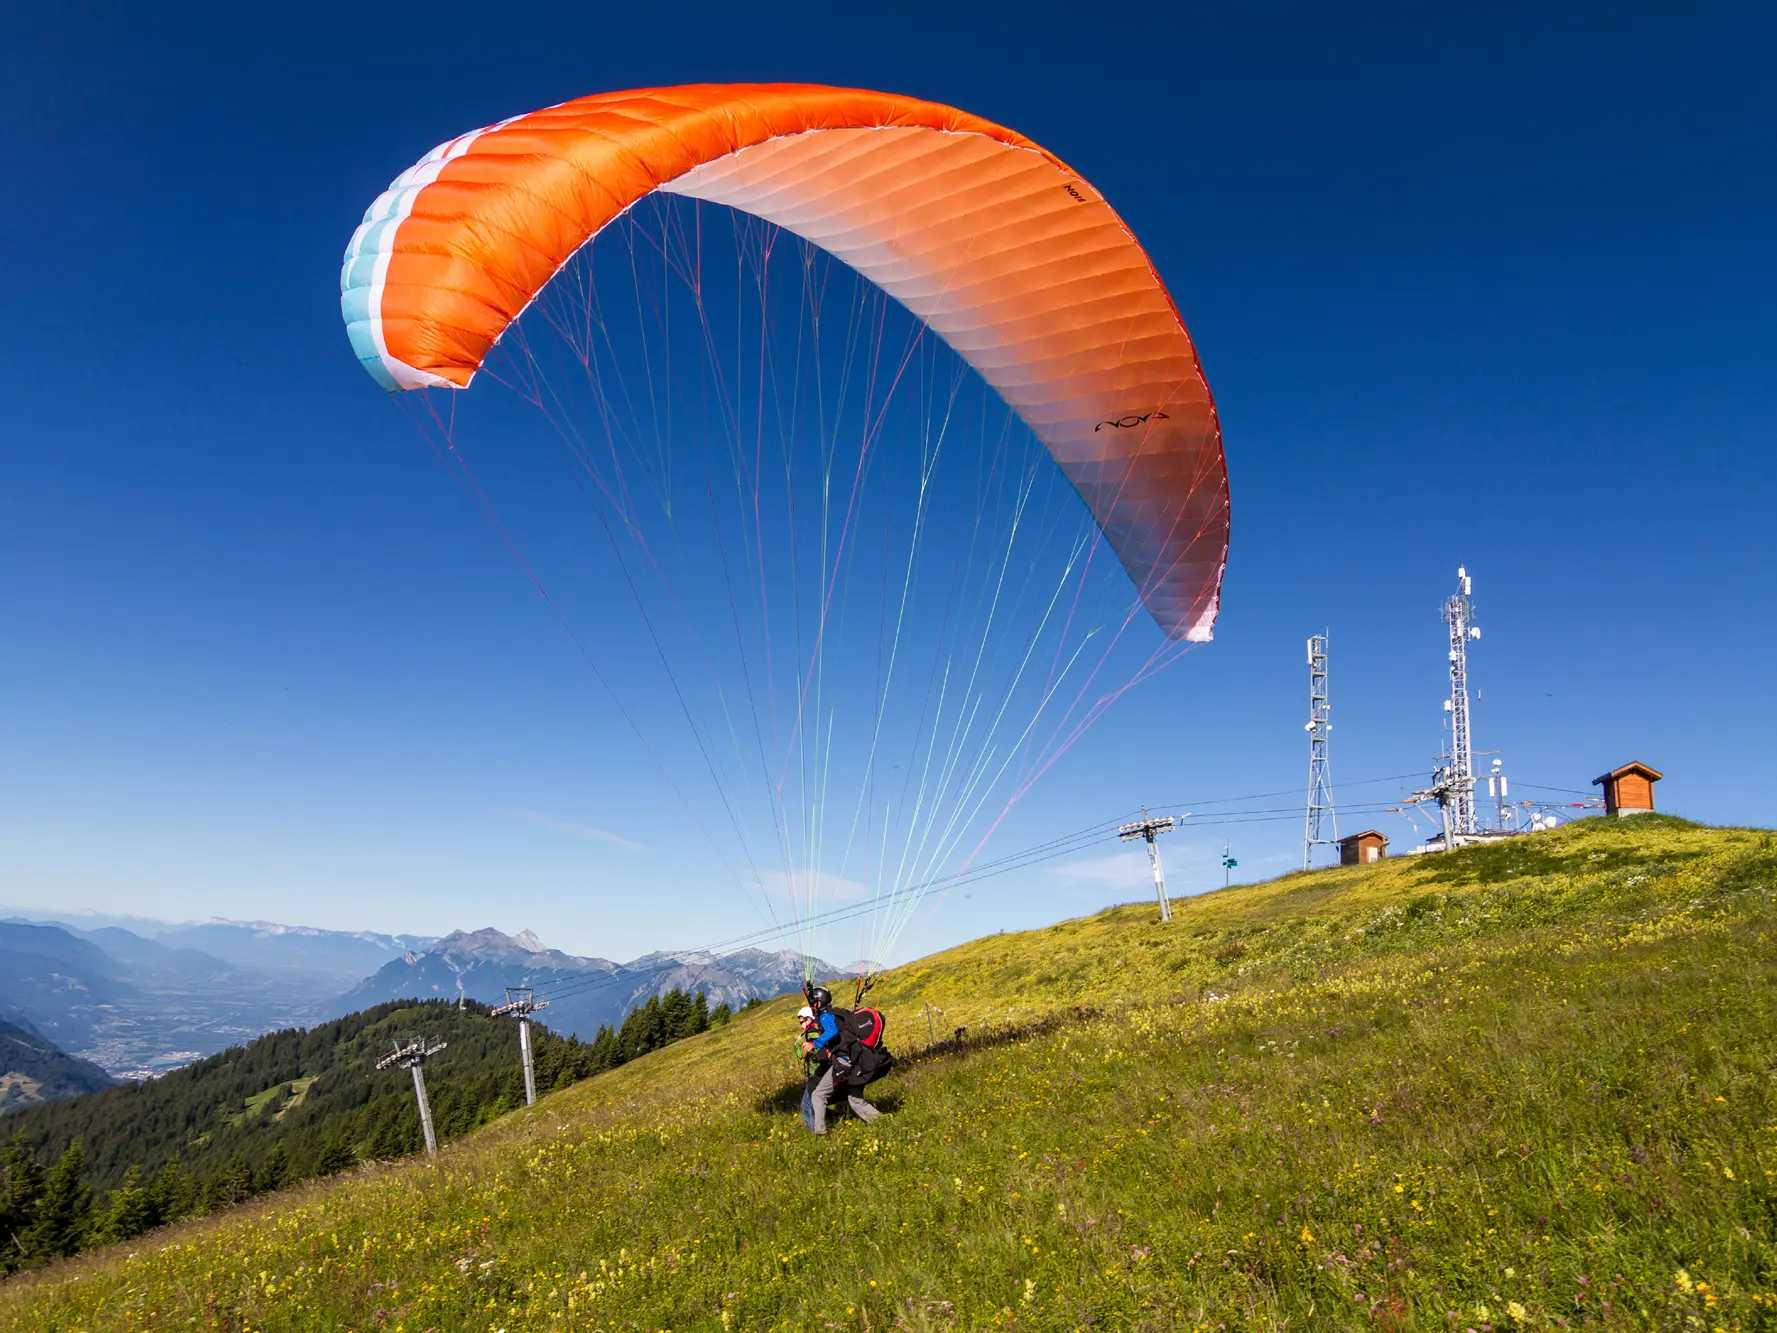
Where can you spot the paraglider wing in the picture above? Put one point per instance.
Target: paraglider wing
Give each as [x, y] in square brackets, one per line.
[999, 247]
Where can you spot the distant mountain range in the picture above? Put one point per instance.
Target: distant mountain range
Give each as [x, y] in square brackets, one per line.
[330, 959]
[583, 992]
[139, 997]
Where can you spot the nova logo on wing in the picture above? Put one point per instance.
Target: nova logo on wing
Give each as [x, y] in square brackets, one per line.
[1124, 423]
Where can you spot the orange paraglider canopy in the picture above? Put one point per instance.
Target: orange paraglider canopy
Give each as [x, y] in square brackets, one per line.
[1000, 248]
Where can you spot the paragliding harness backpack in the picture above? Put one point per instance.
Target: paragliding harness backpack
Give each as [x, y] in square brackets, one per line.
[860, 1044]
[863, 1026]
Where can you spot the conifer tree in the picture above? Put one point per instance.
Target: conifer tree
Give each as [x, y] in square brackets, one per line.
[629, 1038]
[604, 1049]
[20, 1192]
[130, 1211]
[273, 1169]
[62, 1211]
[676, 1018]
[337, 1154]
[651, 1032]
[171, 1194]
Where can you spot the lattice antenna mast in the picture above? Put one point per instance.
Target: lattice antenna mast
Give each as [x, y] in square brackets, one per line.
[412, 1056]
[522, 1002]
[1149, 829]
[1323, 824]
[1458, 775]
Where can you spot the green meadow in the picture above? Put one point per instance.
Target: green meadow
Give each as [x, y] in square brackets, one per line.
[1527, 1085]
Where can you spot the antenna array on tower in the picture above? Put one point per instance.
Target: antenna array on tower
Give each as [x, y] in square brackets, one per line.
[1453, 783]
[1457, 772]
[1323, 823]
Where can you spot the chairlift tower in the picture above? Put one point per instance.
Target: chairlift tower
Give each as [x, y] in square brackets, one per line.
[1457, 773]
[522, 1002]
[1148, 829]
[1323, 824]
[412, 1056]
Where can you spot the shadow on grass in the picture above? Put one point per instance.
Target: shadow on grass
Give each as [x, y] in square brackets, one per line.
[788, 1096]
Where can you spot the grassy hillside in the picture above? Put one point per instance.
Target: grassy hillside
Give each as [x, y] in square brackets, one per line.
[286, 1107]
[1521, 1085]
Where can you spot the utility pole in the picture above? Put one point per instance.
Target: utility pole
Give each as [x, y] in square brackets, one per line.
[1323, 824]
[1228, 864]
[1148, 829]
[522, 1002]
[1457, 776]
[412, 1056]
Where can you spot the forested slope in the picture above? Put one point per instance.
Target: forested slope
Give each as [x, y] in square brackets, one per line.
[33, 1070]
[284, 1108]
[1515, 1086]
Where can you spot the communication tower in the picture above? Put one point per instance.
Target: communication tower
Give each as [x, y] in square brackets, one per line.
[412, 1056]
[1457, 773]
[1323, 823]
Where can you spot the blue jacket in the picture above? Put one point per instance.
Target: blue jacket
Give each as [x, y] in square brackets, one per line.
[824, 1036]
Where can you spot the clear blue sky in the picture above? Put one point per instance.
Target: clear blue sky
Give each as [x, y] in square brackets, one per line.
[1495, 290]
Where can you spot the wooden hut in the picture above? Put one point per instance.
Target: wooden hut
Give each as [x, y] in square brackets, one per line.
[1628, 790]
[1362, 848]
